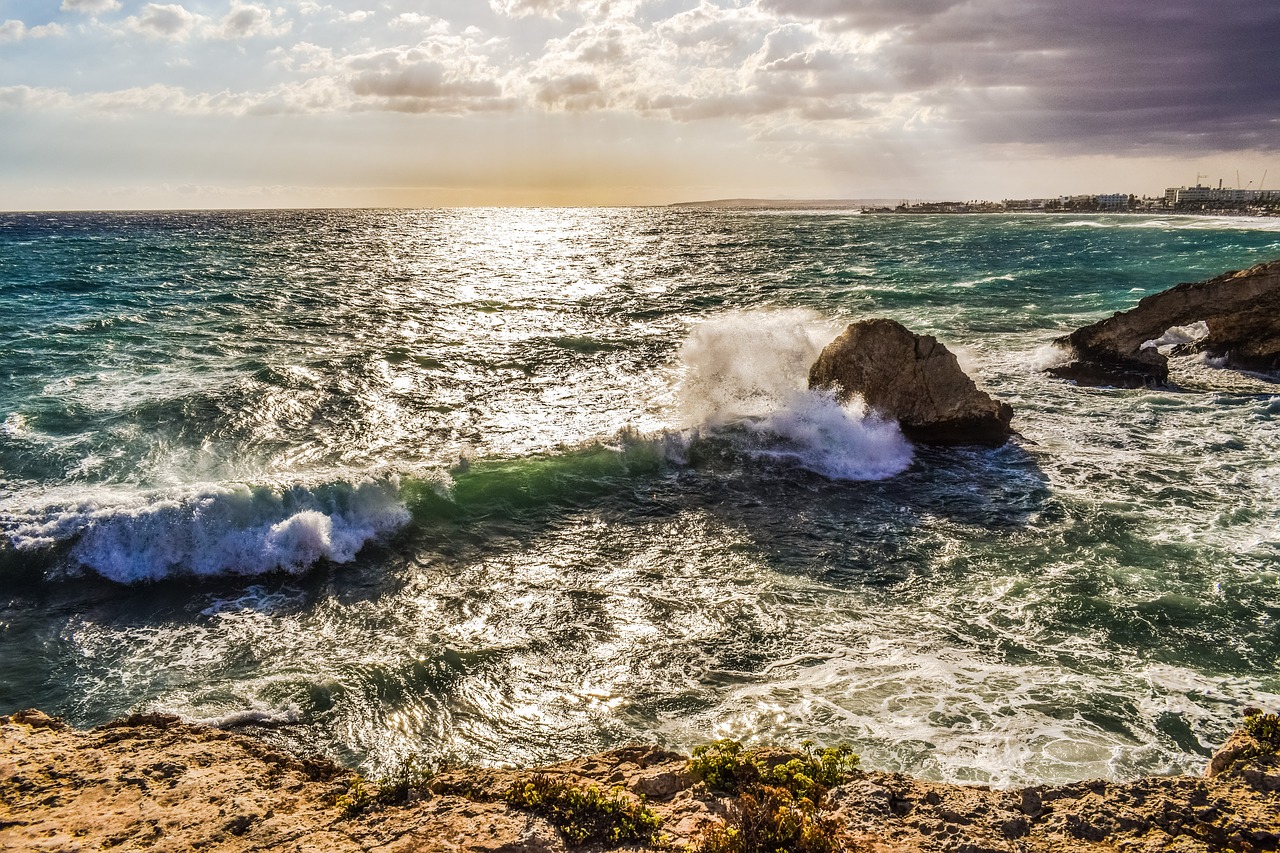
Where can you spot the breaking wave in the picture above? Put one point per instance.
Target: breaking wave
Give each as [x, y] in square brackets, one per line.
[210, 529]
[748, 372]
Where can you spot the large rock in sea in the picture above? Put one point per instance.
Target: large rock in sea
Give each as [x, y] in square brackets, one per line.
[1235, 316]
[913, 379]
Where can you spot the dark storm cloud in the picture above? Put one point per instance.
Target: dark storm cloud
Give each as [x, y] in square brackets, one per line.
[1083, 75]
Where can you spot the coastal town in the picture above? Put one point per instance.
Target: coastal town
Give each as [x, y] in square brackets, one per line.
[1198, 199]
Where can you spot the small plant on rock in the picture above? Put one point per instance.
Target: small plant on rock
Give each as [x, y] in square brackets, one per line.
[407, 783]
[1265, 729]
[585, 814]
[358, 798]
[776, 807]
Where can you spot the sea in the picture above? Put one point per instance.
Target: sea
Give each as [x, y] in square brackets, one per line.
[507, 486]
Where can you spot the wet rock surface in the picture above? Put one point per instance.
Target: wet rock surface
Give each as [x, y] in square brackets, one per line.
[913, 379]
[152, 782]
[1236, 317]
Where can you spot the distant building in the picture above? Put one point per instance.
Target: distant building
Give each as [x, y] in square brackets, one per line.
[1201, 196]
[1030, 203]
[1113, 201]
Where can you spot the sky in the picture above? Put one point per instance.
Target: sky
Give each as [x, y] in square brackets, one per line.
[224, 103]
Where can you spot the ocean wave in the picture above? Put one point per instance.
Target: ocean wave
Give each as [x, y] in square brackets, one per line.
[743, 393]
[211, 529]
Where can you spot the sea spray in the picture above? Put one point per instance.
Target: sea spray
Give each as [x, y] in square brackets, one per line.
[749, 371]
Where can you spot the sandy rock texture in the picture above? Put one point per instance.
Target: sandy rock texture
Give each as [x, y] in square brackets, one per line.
[151, 782]
[913, 379]
[1239, 310]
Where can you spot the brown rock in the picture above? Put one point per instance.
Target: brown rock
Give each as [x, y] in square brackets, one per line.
[913, 379]
[1241, 310]
[1244, 756]
[64, 789]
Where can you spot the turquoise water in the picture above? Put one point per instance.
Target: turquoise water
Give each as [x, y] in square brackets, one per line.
[512, 485]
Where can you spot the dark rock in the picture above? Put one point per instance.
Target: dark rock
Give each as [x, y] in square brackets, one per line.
[913, 379]
[1241, 315]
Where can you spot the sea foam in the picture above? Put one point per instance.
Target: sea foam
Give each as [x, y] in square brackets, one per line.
[749, 371]
[211, 529]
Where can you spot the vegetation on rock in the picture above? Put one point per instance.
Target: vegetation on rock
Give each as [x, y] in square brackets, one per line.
[585, 814]
[777, 804]
[1265, 729]
[406, 784]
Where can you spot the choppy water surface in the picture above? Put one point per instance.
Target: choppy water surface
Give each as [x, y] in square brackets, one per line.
[511, 485]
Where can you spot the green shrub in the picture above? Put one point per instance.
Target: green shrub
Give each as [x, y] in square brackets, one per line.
[406, 783]
[776, 808]
[767, 819]
[403, 785]
[586, 814]
[359, 797]
[723, 765]
[1265, 729]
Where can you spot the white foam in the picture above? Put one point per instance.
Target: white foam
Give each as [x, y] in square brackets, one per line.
[254, 717]
[212, 529]
[1047, 356]
[750, 369]
[745, 364]
[1175, 336]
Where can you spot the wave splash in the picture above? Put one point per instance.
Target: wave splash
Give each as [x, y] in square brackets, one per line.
[748, 371]
[212, 529]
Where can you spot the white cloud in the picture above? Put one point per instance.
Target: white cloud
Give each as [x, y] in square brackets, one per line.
[304, 57]
[157, 21]
[154, 98]
[359, 16]
[525, 8]
[13, 30]
[90, 7]
[708, 62]
[444, 73]
[413, 20]
[246, 20]
[573, 92]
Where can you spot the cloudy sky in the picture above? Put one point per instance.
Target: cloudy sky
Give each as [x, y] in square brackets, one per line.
[210, 103]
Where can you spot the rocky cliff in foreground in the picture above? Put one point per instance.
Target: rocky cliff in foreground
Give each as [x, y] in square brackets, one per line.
[153, 782]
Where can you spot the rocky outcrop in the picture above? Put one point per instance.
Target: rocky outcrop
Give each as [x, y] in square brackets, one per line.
[1235, 316]
[913, 379]
[153, 782]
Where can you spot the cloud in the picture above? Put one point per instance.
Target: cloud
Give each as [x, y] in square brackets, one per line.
[574, 92]
[863, 15]
[305, 58]
[441, 74]
[1088, 76]
[157, 21]
[13, 30]
[414, 20]
[525, 8]
[90, 7]
[154, 98]
[246, 20]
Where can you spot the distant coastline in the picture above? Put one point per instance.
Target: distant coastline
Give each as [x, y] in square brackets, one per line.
[789, 204]
[1074, 205]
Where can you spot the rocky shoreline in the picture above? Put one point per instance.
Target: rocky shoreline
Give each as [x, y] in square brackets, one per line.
[154, 782]
[1234, 318]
